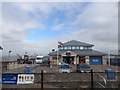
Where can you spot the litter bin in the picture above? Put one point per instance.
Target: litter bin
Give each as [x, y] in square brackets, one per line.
[27, 69]
[111, 75]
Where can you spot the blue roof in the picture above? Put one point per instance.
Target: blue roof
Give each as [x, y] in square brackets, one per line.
[76, 43]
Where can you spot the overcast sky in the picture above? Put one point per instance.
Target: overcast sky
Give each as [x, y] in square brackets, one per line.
[36, 27]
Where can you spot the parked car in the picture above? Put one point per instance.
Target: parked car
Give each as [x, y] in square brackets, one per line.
[83, 67]
[65, 68]
[61, 62]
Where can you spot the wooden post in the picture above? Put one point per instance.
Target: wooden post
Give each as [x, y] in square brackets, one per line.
[42, 79]
[91, 78]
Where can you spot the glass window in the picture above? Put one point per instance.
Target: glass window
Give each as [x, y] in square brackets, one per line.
[85, 48]
[55, 58]
[81, 47]
[64, 67]
[89, 47]
[77, 48]
[69, 47]
[73, 47]
[65, 48]
[61, 48]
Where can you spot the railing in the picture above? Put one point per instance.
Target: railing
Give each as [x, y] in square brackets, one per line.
[99, 82]
[82, 80]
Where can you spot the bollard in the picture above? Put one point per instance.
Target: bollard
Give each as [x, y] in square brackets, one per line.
[42, 79]
[91, 78]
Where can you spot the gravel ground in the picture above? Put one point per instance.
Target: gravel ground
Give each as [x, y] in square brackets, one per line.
[26, 86]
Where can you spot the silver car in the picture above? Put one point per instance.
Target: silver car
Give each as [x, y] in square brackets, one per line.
[65, 68]
[83, 67]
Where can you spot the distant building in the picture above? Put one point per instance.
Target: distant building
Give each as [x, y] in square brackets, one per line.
[74, 52]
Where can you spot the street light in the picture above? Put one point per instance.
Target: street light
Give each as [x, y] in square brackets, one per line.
[9, 56]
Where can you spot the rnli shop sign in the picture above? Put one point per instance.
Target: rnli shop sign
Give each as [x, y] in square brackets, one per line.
[25, 78]
[9, 78]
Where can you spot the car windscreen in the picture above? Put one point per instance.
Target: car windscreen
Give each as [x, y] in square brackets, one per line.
[64, 67]
[85, 66]
[39, 58]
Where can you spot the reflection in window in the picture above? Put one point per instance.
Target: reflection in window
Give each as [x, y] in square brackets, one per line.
[85, 48]
[73, 47]
[81, 47]
[77, 48]
[89, 47]
[55, 58]
[61, 48]
[65, 48]
[69, 47]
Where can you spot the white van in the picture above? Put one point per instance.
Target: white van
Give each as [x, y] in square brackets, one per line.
[39, 59]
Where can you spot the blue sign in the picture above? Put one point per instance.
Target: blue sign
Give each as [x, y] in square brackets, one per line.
[9, 78]
[95, 60]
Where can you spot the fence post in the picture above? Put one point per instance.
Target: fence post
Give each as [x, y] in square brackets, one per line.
[91, 78]
[42, 79]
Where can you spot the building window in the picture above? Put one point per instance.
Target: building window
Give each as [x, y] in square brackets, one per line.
[89, 48]
[61, 48]
[68, 53]
[69, 47]
[73, 47]
[55, 58]
[85, 48]
[81, 47]
[77, 48]
[65, 48]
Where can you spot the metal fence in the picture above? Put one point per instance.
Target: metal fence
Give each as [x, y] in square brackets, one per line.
[75, 80]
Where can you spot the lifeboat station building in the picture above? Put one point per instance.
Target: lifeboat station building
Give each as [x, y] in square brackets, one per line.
[75, 52]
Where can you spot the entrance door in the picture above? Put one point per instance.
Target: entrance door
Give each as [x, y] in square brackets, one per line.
[68, 59]
[81, 59]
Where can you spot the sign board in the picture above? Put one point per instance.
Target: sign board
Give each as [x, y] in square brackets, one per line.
[9, 78]
[25, 78]
[95, 60]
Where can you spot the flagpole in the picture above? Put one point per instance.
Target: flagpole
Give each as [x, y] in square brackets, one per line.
[59, 45]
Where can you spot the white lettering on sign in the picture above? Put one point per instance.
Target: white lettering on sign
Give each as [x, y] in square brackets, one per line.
[95, 60]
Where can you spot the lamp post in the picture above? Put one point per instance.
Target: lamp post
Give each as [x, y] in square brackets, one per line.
[35, 56]
[9, 57]
[108, 59]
